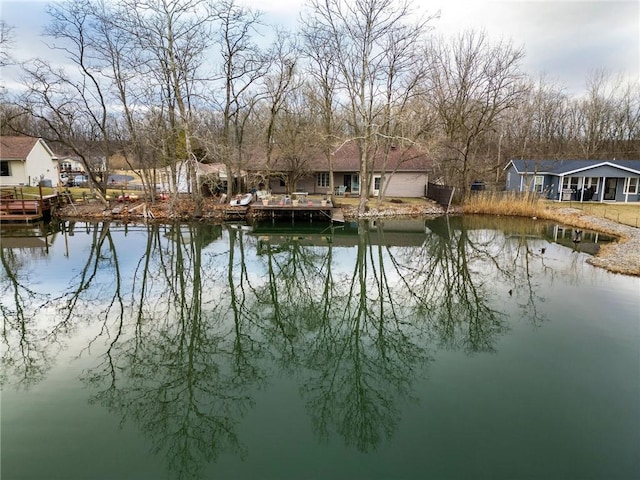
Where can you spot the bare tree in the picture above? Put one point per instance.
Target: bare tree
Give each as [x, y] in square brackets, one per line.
[359, 35]
[473, 83]
[607, 118]
[322, 87]
[119, 50]
[278, 84]
[404, 77]
[296, 139]
[6, 43]
[74, 104]
[175, 36]
[243, 65]
[538, 128]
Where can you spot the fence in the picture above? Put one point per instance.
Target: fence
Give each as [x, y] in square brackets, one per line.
[441, 194]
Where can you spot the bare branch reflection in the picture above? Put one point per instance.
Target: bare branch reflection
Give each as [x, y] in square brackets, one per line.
[185, 323]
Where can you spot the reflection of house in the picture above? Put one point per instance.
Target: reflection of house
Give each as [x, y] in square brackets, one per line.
[405, 173]
[27, 161]
[390, 232]
[578, 180]
[590, 241]
[203, 234]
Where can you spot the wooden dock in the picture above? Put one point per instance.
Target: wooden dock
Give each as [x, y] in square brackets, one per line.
[309, 209]
[16, 207]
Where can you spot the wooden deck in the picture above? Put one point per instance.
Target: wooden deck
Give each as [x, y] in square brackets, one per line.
[308, 208]
[19, 208]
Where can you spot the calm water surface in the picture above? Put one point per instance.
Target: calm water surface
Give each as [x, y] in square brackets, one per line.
[443, 348]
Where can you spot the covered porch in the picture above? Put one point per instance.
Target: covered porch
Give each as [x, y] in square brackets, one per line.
[598, 188]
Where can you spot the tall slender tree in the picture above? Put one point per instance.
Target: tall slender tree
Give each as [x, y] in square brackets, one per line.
[359, 36]
[473, 83]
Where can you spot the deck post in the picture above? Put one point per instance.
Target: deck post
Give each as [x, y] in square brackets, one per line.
[41, 201]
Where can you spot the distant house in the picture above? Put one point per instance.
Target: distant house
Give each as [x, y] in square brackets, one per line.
[406, 173]
[70, 165]
[577, 180]
[71, 171]
[210, 175]
[27, 161]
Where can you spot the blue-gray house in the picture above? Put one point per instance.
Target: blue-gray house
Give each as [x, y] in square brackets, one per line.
[578, 180]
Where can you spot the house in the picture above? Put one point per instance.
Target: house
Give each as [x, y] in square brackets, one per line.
[27, 161]
[212, 176]
[71, 171]
[577, 180]
[405, 173]
[70, 165]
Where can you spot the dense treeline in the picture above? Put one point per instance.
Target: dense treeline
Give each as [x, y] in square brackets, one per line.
[167, 83]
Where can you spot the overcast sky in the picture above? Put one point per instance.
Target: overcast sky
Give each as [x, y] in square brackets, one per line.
[564, 40]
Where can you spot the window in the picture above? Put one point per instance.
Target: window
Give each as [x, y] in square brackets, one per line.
[4, 169]
[572, 183]
[592, 182]
[376, 183]
[323, 179]
[631, 185]
[538, 183]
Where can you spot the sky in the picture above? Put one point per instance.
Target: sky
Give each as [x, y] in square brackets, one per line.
[565, 41]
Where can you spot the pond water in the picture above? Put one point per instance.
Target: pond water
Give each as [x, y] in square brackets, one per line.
[446, 348]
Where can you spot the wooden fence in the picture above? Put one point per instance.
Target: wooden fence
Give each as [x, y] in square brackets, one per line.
[441, 194]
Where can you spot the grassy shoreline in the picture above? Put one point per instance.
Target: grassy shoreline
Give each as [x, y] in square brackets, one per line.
[572, 213]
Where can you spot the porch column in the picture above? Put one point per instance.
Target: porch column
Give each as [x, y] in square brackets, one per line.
[604, 181]
[582, 191]
[561, 188]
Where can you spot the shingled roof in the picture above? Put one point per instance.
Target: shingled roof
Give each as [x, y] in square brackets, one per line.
[347, 159]
[568, 167]
[18, 148]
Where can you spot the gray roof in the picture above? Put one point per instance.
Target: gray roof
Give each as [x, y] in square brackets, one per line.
[568, 167]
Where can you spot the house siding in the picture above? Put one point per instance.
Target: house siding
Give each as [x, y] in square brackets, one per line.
[554, 187]
[405, 184]
[611, 179]
[604, 171]
[523, 183]
[40, 165]
[513, 179]
[400, 184]
[17, 174]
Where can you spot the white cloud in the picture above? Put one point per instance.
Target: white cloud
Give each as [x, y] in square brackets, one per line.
[565, 39]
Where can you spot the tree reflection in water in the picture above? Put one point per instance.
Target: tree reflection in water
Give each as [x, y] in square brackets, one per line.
[208, 314]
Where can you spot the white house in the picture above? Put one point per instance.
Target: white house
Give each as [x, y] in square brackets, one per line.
[27, 161]
[215, 171]
[70, 165]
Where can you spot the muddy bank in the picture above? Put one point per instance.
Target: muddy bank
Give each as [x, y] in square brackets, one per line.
[213, 210]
